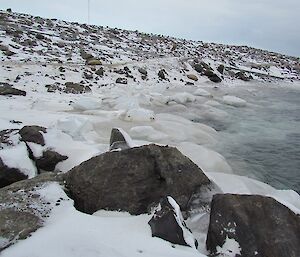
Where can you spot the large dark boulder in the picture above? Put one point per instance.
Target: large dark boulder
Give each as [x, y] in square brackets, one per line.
[212, 76]
[33, 134]
[243, 76]
[133, 179]
[262, 226]
[9, 175]
[6, 89]
[23, 210]
[167, 223]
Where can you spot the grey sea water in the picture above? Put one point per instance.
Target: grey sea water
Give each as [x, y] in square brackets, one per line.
[262, 140]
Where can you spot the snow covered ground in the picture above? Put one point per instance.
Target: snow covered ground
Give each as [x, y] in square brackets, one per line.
[79, 126]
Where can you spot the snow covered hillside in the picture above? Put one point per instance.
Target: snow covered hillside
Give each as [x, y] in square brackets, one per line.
[64, 86]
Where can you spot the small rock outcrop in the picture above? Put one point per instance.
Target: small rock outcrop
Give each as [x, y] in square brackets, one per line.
[8, 90]
[133, 179]
[117, 140]
[143, 71]
[167, 223]
[260, 225]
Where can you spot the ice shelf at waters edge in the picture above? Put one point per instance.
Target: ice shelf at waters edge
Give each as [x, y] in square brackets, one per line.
[152, 110]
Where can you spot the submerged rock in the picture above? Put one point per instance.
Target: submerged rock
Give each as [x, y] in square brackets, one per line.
[167, 223]
[133, 179]
[260, 225]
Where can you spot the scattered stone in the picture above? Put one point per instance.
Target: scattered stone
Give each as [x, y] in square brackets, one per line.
[221, 68]
[87, 75]
[7, 89]
[134, 179]
[61, 69]
[143, 71]
[117, 140]
[201, 67]
[49, 160]
[33, 134]
[212, 76]
[76, 88]
[86, 55]
[39, 36]
[167, 223]
[192, 77]
[100, 72]
[93, 62]
[242, 75]
[260, 225]
[162, 74]
[121, 81]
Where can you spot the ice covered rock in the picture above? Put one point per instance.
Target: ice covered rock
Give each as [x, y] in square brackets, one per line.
[76, 127]
[133, 179]
[86, 103]
[183, 98]
[260, 225]
[75, 88]
[147, 133]
[119, 139]
[234, 101]
[121, 81]
[167, 223]
[202, 92]
[138, 114]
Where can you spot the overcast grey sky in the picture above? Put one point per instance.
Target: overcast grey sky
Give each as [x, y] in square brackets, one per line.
[268, 24]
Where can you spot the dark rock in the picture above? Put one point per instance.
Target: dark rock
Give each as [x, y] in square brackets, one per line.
[39, 36]
[9, 53]
[49, 160]
[121, 81]
[9, 10]
[20, 212]
[33, 134]
[221, 68]
[242, 75]
[133, 179]
[76, 88]
[86, 55]
[117, 140]
[262, 226]
[9, 175]
[6, 89]
[126, 69]
[167, 223]
[87, 75]
[162, 74]
[201, 67]
[100, 72]
[61, 69]
[212, 76]
[143, 71]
